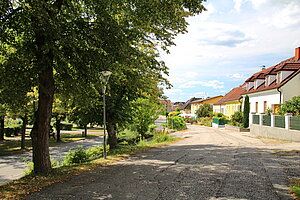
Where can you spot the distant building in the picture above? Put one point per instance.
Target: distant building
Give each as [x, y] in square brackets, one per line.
[167, 104]
[195, 105]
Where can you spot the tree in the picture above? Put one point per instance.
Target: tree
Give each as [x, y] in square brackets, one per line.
[145, 112]
[59, 43]
[246, 112]
[204, 110]
[292, 106]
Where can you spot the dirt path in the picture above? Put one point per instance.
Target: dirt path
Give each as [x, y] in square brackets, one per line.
[210, 164]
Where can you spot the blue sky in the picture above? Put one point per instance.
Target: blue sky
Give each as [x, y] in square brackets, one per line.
[228, 43]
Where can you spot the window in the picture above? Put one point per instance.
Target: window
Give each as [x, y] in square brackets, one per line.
[265, 106]
[256, 107]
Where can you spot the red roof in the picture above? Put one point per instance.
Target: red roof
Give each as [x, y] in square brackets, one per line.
[290, 64]
[234, 94]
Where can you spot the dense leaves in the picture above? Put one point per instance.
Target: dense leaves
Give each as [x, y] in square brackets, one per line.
[205, 110]
[61, 47]
[292, 106]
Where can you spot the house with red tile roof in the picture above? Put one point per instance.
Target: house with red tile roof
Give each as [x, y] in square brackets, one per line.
[231, 102]
[273, 86]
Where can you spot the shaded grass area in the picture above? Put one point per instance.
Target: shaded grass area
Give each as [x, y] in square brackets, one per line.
[18, 189]
[13, 144]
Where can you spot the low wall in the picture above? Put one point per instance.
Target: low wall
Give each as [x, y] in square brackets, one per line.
[236, 129]
[217, 125]
[274, 132]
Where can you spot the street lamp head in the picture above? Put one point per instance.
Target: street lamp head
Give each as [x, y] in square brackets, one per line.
[106, 73]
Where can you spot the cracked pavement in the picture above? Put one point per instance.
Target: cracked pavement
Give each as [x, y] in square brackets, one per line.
[210, 164]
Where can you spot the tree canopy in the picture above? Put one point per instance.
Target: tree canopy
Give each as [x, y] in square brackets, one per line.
[62, 46]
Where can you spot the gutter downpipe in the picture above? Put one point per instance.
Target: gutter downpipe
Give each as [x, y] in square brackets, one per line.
[279, 95]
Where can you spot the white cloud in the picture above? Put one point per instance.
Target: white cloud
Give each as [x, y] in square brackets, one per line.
[287, 16]
[238, 4]
[237, 76]
[222, 34]
[214, 84]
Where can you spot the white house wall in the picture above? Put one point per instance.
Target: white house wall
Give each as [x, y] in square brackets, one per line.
[291, 89]
[270, 96]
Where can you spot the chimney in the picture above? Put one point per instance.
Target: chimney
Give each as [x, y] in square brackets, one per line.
[297, 53]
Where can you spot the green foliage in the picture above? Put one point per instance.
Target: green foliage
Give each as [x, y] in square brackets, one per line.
[176, 123]
[95, 152]
[175, 113]
[160, 136]
[292, 106]
[144, 113]
[219, 115]
[12, 123]
[269, 111]
[246, 112]
[206, 121]
[205, 110]
[237, 119]
[29, 169]
[74, 41]
[76, 157]
[128, 136]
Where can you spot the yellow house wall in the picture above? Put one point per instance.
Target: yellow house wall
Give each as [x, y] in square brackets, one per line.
[232, 107]
[196, 106]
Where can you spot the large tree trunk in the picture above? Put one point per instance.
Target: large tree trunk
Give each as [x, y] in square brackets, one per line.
[112, 133]
[23, 131]
[40, 131]
[57, 127]
[2, 128]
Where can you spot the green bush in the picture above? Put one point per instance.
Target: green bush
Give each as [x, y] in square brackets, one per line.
[95, 151]
[161, 137]
[237, 119]
[292, 106]
[76, 157]
[219, 115]
[128, 136]
[176, 123]
[205, 110]
[206, 121]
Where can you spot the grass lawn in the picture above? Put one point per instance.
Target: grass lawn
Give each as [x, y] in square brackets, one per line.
[18, 189]
[12, 144]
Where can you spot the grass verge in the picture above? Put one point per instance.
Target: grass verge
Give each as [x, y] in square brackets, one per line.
[19, 189]
[295, 188]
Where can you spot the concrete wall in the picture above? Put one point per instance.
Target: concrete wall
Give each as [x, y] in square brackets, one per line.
[291, 89]
[274, 132]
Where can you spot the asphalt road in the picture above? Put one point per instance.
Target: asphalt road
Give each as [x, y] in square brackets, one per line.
[211, 164]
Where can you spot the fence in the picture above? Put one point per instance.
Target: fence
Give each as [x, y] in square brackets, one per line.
[255, 119]
[295, 123]
[279, 121]
[267, 120]
[287, 121]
